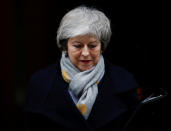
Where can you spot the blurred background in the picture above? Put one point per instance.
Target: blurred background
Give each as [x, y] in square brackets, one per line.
[139, 44]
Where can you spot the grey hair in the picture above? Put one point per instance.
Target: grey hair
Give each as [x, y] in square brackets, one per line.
[81, 21]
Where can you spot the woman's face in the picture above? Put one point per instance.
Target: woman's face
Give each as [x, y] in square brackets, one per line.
[84, 51]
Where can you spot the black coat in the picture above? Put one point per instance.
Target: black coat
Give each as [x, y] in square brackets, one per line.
[49, 106]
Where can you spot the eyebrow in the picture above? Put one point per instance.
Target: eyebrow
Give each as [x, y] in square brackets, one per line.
[75, 41]
[88, 43]
[94, 42]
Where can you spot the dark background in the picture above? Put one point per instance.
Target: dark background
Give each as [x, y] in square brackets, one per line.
[28, 30]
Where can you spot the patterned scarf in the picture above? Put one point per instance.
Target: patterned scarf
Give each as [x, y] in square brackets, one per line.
[82, 85]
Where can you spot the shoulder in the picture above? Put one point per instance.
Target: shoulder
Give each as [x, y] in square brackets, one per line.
[43, 78]
[44, 73]
[39, 85]
[120, 78]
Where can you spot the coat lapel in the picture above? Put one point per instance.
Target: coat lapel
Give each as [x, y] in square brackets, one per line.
[107, 107]
[110, 102]
[60, 107]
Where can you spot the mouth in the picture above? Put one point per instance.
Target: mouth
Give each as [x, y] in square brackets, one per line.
[85, 61]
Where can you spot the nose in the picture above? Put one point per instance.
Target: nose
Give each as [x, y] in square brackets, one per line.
[85, 51]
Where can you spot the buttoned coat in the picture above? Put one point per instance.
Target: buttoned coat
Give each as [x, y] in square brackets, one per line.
[49, 105]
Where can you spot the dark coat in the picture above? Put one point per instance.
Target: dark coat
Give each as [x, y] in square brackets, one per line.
[49, 106]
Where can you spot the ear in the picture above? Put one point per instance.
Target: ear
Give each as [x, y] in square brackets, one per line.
[102, 47]
[64, 44]
[66, 53]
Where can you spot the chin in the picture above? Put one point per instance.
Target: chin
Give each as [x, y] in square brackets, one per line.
[84, 68]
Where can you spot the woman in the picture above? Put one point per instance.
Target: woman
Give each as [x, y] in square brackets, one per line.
[83, 91]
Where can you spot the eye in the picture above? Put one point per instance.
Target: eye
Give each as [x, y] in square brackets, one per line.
[77, 46]
[92, 46]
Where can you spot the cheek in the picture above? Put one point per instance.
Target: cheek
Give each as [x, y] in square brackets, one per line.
[74, 57]
[96, 57]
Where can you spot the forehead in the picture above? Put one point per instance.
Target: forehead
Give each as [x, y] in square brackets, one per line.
[84, 38]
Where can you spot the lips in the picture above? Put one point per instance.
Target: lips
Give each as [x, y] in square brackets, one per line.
[85, 61]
